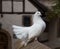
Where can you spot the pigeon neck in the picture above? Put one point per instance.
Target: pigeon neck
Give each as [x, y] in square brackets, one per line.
[36, 18]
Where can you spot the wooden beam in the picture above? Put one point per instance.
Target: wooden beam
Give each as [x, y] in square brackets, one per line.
[17, 13]
[23, 5]
[38, 5]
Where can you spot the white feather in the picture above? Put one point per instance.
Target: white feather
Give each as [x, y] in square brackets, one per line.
[26, 33]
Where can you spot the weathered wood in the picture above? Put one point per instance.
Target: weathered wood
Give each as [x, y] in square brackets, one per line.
[33, 45]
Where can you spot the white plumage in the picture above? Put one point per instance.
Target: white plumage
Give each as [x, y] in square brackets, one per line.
[28, 33]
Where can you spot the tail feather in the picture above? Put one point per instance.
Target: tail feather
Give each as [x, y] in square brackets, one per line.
[20, 32]
[21, 35]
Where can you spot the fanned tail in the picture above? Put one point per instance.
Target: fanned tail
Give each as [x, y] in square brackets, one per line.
[20, 32]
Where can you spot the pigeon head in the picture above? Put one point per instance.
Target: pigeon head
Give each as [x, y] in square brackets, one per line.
[38, 13]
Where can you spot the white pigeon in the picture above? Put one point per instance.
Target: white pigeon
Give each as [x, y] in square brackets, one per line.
[25, 34]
